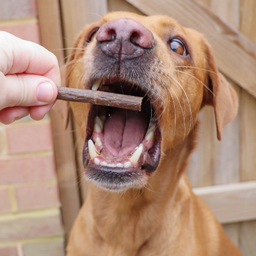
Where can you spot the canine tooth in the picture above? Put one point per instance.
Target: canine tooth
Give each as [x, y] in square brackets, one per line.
[96, 85]
[98, 142]
[92, 150]
[103, 163]
[152, 128]
[150, 136]
[98, 125]
[127, 164]
[97, 128]
[150, 133]
[98, 121]
[136, 155]
[96, 161]
[120, 165]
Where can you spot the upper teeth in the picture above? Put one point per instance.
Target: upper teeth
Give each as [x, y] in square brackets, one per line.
[96, 85]
[136, 155]
[151, 133]
[92, 150]
[98, 124]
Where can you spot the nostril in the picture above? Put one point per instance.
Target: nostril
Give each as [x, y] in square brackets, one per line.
[135, 36]
[124, 39]
[112, 35]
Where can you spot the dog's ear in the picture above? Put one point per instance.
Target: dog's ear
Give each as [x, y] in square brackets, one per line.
[219, 94]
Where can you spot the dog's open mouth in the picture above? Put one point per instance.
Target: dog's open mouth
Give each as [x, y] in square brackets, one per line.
[122, 146]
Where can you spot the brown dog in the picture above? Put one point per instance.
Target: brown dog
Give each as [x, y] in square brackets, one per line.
[142, 155]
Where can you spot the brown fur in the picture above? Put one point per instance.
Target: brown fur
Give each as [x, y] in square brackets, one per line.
[163, 216]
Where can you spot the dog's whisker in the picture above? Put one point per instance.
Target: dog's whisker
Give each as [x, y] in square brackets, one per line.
[183, 115]
[174, 109]
[197, 80]
[203, 69]
[190, 111]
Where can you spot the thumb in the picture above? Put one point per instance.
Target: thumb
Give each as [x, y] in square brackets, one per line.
[26, 90]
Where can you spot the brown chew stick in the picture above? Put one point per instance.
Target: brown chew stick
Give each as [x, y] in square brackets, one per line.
[100, 98]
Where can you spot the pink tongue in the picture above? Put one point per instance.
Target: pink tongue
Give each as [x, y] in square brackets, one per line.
[123, 131]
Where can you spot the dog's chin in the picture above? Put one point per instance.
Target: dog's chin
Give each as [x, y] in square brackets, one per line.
[116, 180]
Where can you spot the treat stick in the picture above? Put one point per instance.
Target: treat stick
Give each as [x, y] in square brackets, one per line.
[100, 98]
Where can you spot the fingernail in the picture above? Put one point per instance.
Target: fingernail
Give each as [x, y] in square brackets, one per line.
[45, 92]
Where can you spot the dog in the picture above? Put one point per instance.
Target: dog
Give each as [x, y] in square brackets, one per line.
[140, 202]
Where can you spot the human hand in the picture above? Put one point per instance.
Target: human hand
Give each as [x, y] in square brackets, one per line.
[28, 77]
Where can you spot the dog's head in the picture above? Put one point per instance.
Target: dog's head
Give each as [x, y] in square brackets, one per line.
[170, 66]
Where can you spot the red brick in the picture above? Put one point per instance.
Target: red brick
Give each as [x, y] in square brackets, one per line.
[8, 251]
[28, 31]
[30, 227]
[16, 9]
[26, 169]
[5, 205]
[36, 196]
[53, 248]
[29, 138]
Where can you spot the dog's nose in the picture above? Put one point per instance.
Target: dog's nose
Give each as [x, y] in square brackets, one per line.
[124, 39]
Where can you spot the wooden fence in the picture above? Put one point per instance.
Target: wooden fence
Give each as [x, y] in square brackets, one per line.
[222, 173]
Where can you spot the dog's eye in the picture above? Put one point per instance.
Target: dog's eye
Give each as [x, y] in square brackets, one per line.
[178, 47]
[92, 34]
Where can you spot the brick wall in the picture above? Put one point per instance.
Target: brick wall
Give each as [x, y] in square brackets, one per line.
[30, 220]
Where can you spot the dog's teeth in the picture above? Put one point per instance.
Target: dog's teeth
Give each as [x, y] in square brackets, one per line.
[150, 136]
[103, 163]
[151, 133]
[120, 165]
[96, 85]
[127, 164]
[152, 128]
[98, 142]
[96, 161]
[136, 155]
[98, 125]
[97, 128]
[92, 150]
[98, 121]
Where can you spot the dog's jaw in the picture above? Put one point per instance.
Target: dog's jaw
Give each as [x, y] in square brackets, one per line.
[122, 148]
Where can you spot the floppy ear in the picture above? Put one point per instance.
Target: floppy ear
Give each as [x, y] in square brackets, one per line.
[219, 94]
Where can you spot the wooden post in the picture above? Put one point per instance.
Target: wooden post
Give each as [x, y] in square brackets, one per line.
[51, 38]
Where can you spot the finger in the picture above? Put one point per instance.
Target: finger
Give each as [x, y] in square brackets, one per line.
[20, 56]
[26, 90]
[38, 112]
[9, 115]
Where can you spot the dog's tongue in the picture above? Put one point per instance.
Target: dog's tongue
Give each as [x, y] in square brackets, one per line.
[123, 131]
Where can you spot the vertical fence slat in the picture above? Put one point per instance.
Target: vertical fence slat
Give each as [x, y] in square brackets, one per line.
[226, 152]
[76, 14]
[121, 5]
[199, 170]
[248, 131]
[51, 38]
